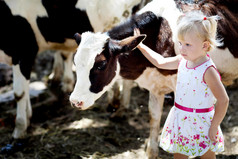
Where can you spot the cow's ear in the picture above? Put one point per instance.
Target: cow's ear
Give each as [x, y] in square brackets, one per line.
[131, 42]
[125, 45]
[77, 38]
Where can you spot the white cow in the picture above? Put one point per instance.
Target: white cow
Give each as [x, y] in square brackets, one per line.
[29, 27]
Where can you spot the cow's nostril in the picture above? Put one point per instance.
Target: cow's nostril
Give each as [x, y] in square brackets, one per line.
[77, 104]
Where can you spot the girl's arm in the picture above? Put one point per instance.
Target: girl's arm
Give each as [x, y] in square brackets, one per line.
[156, 59]
[213, 81]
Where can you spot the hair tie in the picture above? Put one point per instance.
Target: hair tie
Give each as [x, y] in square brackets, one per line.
[205, 18]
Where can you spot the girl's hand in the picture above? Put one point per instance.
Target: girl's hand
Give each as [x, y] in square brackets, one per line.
[136, 32]
[213, 133]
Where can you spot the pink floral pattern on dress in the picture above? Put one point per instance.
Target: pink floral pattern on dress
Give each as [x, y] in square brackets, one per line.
[187, 132]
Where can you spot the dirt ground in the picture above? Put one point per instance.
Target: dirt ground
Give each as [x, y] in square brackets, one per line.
[58, 131]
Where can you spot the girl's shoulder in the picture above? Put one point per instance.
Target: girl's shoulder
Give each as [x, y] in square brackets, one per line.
[211, 63]
[211, 71]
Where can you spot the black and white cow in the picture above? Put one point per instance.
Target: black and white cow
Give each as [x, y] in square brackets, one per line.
[31, 26]
[102, 58]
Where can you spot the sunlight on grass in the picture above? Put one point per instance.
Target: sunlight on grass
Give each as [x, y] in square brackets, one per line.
[87, 123]
[134, 153]
[40, 131]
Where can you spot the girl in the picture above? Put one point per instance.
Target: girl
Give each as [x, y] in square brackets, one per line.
[192, 126]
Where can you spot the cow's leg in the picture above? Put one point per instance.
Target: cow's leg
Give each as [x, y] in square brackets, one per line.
[113, 94]
[24, 110]
[155, 108]
[113, 98]
[126, 93]
[62, 70]
[68, 76]
[119, 97]
[58, 68]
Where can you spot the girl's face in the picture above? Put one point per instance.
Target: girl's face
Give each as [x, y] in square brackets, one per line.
[192, 47]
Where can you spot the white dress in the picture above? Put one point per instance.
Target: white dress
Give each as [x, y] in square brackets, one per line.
[187, 132]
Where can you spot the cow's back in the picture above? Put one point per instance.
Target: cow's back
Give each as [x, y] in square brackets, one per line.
[16, 33]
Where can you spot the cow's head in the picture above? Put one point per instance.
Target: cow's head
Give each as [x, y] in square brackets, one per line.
[97, 66]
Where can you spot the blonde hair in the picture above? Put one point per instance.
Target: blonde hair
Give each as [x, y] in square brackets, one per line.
[204, 27]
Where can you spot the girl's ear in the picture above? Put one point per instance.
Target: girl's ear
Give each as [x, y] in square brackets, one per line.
[206, 46]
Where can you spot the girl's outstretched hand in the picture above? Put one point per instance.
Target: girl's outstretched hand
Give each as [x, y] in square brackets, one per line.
[136, 32]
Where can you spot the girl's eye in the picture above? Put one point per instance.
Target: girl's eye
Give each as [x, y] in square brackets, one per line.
[180, 43]
[187, 44]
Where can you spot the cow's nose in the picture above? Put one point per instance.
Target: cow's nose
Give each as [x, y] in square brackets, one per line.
[77, 104]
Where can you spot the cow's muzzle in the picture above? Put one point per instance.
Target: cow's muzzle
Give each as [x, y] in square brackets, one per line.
[77, 104]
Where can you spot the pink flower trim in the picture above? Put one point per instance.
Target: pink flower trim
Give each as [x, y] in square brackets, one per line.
[197, 65]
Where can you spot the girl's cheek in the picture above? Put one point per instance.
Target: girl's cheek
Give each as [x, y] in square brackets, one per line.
[181, 48]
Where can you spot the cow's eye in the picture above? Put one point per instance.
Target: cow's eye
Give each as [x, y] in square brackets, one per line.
[102, 65]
